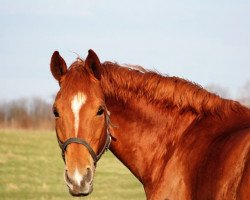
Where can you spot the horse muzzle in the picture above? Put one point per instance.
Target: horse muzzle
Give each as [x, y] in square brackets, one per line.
[78, 184]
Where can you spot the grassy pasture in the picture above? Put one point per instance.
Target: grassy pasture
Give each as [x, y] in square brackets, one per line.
[31, 168]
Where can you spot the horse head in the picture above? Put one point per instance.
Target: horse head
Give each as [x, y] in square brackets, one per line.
[82, 119]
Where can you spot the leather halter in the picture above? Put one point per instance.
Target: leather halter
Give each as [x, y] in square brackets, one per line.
[94, 155]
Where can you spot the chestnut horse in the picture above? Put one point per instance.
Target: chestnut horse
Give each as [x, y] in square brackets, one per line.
[179, 140]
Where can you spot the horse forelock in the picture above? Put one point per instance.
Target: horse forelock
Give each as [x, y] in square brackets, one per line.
[77, 79]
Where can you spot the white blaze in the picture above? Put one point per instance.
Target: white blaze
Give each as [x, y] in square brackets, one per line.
[77, 102]
[77, 177]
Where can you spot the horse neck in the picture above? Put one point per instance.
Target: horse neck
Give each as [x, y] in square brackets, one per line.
[145, 134]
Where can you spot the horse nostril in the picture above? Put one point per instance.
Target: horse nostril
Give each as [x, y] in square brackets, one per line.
[88, 176]
[67, 178]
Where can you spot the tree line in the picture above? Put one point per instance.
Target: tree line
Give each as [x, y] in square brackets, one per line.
[36, 113]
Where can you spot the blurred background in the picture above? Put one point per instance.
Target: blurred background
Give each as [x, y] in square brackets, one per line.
[207, 42]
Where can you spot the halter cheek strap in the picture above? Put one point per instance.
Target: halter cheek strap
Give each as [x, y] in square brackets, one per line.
[94, 155]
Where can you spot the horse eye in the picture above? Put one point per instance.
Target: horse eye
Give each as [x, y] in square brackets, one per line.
[100, 110]
[55, 112]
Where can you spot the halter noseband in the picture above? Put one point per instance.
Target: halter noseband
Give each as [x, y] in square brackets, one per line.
[94, 155]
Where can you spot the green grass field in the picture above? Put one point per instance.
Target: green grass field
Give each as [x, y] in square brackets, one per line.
[31, 168]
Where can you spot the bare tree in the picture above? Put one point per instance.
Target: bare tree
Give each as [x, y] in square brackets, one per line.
[26, 113]
[217, 89]
[244, 94]
[40, 112]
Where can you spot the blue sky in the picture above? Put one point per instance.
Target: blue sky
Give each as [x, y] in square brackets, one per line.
[203, 41]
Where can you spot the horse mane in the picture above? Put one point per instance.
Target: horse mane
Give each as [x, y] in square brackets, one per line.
[163, 91]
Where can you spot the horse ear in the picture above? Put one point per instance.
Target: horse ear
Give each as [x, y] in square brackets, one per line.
[58, 66]
[92, 61]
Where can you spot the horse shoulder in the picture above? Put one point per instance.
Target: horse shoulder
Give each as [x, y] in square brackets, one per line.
[225, 174]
